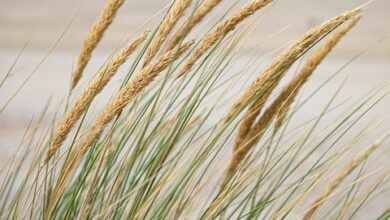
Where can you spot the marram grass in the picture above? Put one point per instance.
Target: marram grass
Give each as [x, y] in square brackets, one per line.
[249, 130]
[94, 37]
[94, 88]
[173, 143]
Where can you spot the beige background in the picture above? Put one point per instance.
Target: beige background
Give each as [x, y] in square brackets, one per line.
[39, 22]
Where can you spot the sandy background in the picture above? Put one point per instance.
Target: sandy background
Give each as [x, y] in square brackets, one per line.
[40, 22]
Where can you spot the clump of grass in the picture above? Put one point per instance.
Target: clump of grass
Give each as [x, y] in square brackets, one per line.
[250, 130]
[120, 101]
[272, 75]
[289, 93]
[158, 148]
[92, 90]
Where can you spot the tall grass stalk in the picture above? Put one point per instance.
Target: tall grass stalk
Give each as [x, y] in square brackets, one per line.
[94, 36]
[160, 148]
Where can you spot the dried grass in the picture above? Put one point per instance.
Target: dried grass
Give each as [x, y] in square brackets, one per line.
[249, 133]
[94, 37]
[269, 78]
[92, 90]
[130, 91]
[112, 109]
[155, 177]
[169, 22]
[345, 171]
[289, 93]
[222, 30]
[195, 19]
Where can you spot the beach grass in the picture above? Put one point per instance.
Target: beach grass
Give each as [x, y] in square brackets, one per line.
[173, 141]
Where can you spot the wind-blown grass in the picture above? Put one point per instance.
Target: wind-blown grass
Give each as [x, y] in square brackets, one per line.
[94, 37]
[174, 142]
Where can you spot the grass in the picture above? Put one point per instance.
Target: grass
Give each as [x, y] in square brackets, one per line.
[174, 143]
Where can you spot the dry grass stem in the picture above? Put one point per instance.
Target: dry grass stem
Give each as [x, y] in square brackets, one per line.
[270, 77]
[345, 171]
[362, 196]
[247, 123]
[169, 22]
[92, 90]
[221, 30]
[112, 109]
[245, 142]
[130, 91]
[289, 93]
[94, 36]
[247, 135]
[195, 19]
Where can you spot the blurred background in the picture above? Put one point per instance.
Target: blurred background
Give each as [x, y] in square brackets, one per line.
[37, 24]
[40, 22]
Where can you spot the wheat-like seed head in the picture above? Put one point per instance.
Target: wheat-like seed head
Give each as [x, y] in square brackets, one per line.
[92, 90]
[247, 122]
[195, 19]
[245, 141]
[129, 92]
[94, 36]
[113, 108]
[174, 14]
[248, 135]
[221, 30]
[345, 171]
[270, 77]
[292, 89]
